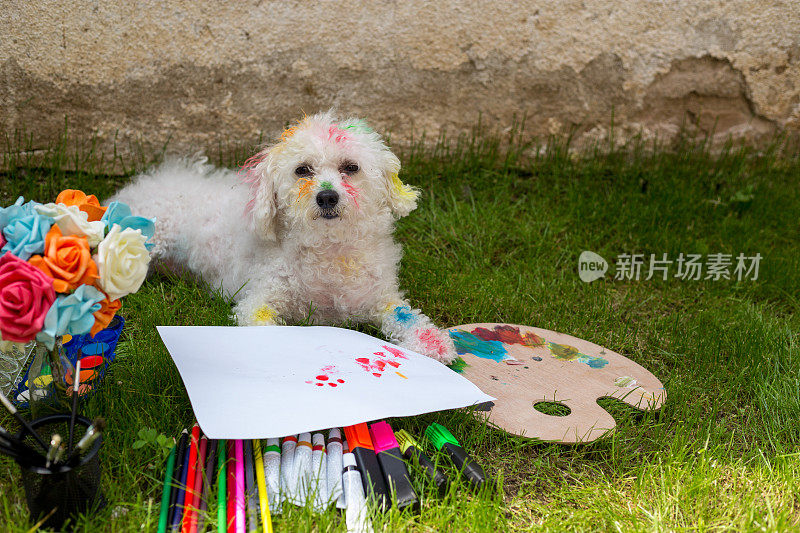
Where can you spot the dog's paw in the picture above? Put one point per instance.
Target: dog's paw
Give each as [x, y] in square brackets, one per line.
[263, 316]
[434, 343]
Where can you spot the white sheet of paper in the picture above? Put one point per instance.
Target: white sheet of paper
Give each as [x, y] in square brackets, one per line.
[272, 381]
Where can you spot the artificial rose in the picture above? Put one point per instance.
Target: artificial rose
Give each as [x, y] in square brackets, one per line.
[120, 213]
[68, 260]
[73, 221]
[26, 296]
[122, 261]
[88, 204]
[103, 316]
[23, 229]
[71, 314]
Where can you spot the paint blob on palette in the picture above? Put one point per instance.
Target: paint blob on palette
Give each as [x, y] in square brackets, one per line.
[523, 366]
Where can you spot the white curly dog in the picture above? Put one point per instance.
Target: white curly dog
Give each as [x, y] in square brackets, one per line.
[308, 231]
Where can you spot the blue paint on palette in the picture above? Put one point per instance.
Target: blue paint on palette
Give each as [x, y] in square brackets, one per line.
[468, 343]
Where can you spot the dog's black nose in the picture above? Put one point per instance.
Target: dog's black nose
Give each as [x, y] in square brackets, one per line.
[327, 199]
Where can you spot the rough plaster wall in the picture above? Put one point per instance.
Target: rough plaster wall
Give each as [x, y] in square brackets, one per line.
[201, 72]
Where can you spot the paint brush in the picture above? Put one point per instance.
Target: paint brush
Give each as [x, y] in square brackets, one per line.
[13, 410]
[55, 442]
[444, 440]
[93, 433]
[412, 451]
[76, 383]
[394, 468]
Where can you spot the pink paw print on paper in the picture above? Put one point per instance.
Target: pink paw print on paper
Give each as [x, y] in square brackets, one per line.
[326, 376]
[378, 365]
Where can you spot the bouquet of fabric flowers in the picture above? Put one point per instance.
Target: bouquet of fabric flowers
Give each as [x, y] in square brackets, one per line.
[64, 266]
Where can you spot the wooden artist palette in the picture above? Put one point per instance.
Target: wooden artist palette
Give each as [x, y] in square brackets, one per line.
[522, 366]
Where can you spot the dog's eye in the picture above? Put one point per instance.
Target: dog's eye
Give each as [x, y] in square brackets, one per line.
[349, 168]
[303, 170]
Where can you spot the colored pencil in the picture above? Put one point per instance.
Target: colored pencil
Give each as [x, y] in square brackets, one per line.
[197, 490]
[208, 482]
[231, 465]
[177, 517]
[188, 497]
[250, 489]
[180, 454]
[266, 519]
[222, 489]
[167, 491]
[240, 505]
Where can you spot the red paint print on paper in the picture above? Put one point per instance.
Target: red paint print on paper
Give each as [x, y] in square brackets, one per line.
[377, 366]
[326, 375]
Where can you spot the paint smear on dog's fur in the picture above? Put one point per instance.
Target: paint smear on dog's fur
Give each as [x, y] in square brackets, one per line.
[265, 314]
[401, 190]
[306, 184]
[336, 134]
[359, 126]
[352, 191]
[249, 176]
[404, 315]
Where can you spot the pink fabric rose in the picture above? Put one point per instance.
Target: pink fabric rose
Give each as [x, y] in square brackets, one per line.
[26, 294]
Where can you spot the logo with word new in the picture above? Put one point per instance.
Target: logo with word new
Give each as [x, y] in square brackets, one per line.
[591, 266]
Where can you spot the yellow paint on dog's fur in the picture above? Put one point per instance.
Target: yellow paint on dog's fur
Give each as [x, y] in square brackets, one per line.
[265, 314]
[401, 190]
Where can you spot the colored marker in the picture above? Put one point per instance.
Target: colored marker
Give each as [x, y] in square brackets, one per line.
[188, 498]
[318, 484]
[197, 489]
[356, 517]
[166, 492]
[177, 518]
[301, 469]
[250, 489]
[261, 481]
[371, 476]
[222, 487]
[208, 482]
[413, 453]
[334, 466]
[287, 467]
[240, 497]
[394, 468]
[180, 454]
[444, 440]
[272, 471]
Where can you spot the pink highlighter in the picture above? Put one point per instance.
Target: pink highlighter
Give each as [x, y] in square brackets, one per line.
[394, 468]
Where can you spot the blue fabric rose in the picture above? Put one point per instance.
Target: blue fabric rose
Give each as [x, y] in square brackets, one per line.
[71, 314]
[24, 229]
[120, 213]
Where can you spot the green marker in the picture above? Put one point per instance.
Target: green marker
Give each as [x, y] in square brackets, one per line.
[444, 440]
[412, 451]
[222, 487]
[162, 517]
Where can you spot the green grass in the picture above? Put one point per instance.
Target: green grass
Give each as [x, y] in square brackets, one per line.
[496, 239]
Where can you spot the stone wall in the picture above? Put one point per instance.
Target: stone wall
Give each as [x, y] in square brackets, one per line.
[200, 73]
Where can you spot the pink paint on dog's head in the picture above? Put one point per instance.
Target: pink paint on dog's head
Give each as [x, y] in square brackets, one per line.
[336, 134]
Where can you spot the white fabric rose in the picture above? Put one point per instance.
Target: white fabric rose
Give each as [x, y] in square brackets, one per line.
[72, 221]
[122, 262]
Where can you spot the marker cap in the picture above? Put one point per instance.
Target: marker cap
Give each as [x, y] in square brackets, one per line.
[439, 435]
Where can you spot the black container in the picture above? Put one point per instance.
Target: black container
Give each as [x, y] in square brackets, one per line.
[61, 492]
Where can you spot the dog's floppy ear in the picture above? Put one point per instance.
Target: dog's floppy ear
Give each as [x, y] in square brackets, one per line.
[402, 197]
[263, 201]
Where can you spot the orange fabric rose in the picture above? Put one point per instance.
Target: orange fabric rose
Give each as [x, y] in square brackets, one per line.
[68, 260]
[88, 204]
[102, 318]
